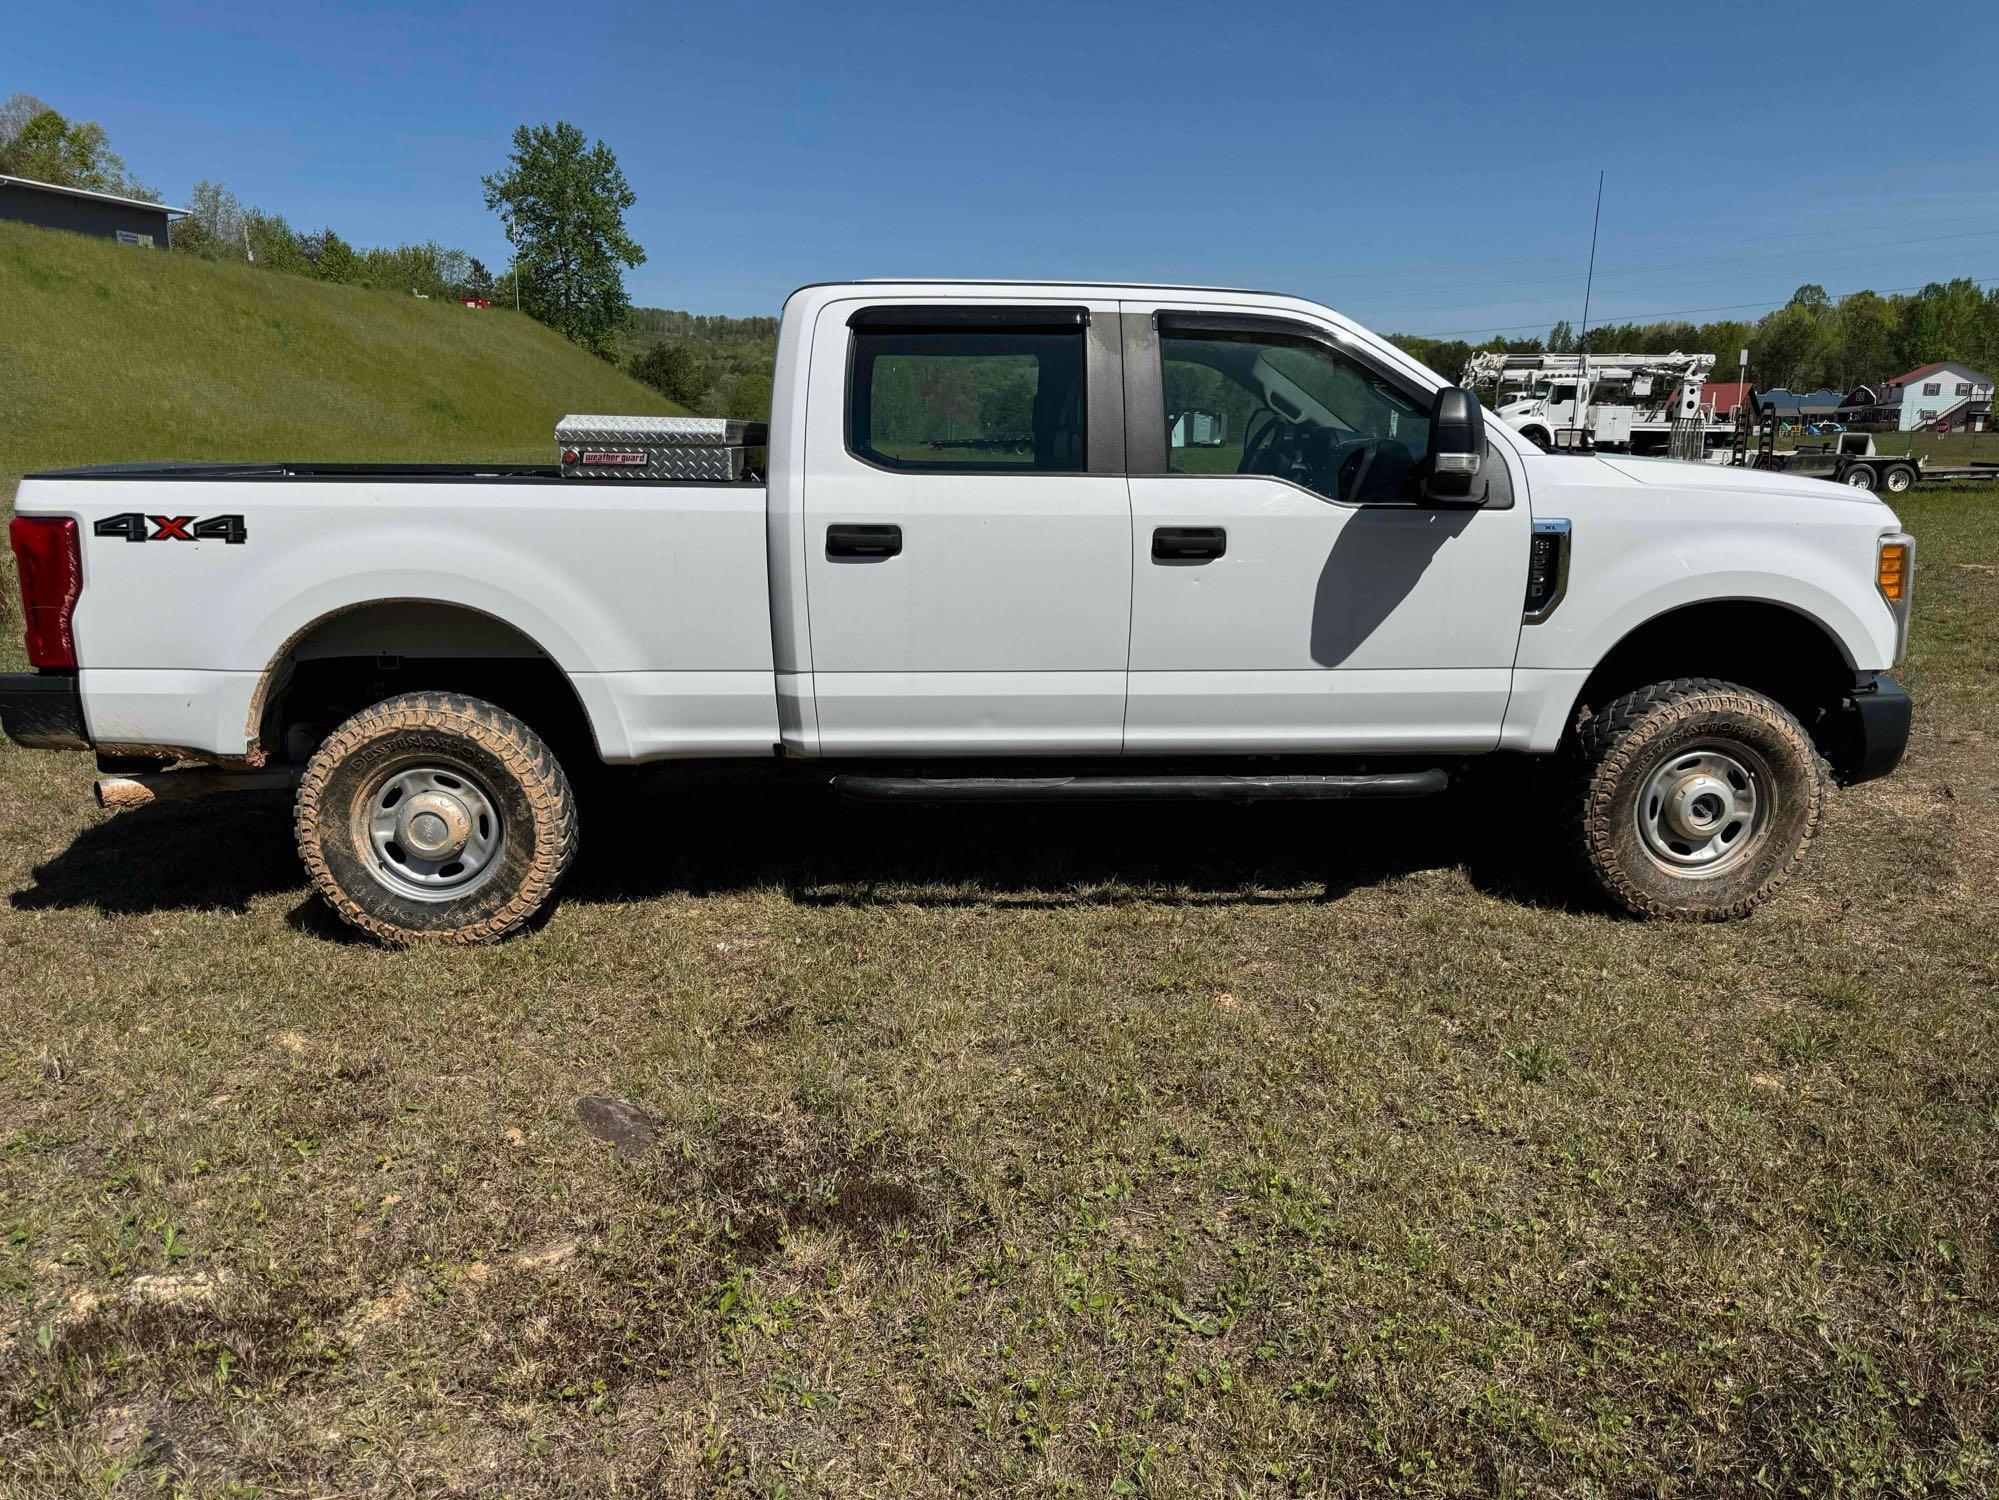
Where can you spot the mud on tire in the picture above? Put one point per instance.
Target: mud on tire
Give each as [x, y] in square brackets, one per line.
[1715, 756]
[502, 772]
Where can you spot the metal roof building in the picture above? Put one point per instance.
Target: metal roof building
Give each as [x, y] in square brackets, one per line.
[130, 221]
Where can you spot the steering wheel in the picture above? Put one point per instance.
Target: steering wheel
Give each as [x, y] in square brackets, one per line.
[1351, 461]
[1257, 442]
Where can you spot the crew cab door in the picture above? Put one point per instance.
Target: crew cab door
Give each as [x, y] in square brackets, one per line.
[1292, 588]
[968, 529]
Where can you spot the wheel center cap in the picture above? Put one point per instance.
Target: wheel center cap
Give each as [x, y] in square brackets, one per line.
[1699, 806]
[435, 825]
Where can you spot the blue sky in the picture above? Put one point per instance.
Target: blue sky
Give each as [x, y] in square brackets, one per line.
[1424, 168]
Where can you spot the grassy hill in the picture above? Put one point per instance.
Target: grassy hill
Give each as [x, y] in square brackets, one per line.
[110, 353]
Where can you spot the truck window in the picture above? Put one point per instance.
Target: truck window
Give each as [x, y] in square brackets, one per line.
[998, 399]
[1290, 407]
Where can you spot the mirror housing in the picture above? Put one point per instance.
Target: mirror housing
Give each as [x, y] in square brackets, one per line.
[1457, 447]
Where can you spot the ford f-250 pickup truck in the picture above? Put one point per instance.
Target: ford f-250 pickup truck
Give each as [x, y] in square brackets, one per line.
[1032, 541]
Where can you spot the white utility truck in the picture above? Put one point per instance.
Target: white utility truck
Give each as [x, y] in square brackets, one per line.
[1001, 541]
[1637, 403]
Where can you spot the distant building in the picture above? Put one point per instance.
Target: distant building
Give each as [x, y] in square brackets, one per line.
[1803, 410]
[1945, 396]
[1724, 396]
[130, 221]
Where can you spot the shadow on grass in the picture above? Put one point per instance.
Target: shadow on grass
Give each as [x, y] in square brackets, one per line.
[655, 832]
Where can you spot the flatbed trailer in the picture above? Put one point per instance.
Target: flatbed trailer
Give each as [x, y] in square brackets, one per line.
[1883, 473]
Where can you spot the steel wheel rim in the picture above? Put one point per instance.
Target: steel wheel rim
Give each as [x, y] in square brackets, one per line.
[1898, 481]
[1702, 809]
[1860, 479]
[431, 831]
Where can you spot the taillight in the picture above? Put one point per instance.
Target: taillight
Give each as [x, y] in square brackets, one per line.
[51, 563]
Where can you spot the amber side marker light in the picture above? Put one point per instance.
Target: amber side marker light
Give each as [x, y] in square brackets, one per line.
[1893, 576]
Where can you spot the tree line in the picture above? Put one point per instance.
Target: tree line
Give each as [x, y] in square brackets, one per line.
[714, 366]
[1813, 340]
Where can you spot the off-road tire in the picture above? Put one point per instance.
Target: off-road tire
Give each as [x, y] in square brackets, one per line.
[524, 779]
[1621, 746]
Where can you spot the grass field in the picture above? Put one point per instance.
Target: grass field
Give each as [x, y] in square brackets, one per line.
[111, 353]
[1242, 1152]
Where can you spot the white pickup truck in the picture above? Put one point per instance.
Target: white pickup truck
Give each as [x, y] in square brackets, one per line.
[1027, 541]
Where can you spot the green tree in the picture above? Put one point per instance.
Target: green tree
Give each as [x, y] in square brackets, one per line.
[673, 369]
[1562, 338]
[214, 224]
[37, 142]
[564, 202]
[1864, 334]
[1791, 348]
[748, 398]
[333, 259]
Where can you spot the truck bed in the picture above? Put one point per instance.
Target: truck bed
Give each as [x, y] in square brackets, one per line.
[651, 596]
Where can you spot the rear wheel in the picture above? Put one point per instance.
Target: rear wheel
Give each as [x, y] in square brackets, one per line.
[435, 818]
[1899, 479]
[1697, 799]
[1859, 476]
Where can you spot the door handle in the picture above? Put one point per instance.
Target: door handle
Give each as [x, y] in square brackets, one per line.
[844, 539]
[1189, 543]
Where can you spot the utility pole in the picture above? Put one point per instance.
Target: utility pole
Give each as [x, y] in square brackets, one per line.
[514, 245]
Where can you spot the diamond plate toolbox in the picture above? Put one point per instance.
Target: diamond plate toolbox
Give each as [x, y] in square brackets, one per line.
[715, 449]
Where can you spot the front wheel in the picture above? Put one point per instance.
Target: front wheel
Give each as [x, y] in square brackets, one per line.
[1899, 480]
[1697, 799]
[435, 818]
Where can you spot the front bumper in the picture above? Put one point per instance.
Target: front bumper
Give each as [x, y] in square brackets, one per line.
[1875, 730]
[43, 710]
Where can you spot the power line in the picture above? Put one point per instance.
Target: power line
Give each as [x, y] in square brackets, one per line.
[1796, 234]
[1471, 286]
[1687, 312]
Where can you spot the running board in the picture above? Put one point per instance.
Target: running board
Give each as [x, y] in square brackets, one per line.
[1140, 788]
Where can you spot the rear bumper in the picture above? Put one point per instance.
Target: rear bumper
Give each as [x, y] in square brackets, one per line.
[43, 710]
[1875, 731]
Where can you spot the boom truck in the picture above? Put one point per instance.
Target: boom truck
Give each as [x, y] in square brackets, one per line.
[1635, 403]
[1000, 542]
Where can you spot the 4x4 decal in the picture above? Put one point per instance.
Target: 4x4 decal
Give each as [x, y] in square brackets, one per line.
[132, 526]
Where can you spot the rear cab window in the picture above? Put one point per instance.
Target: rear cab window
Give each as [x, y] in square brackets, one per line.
[969, 390]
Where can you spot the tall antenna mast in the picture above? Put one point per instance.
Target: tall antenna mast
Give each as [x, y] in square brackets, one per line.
[1590, 283]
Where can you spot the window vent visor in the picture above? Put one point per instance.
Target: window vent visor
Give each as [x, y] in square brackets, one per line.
[1547, 568]
[50, 558]
[1020, 317]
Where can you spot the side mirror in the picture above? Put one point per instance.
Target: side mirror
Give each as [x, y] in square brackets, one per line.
[1457, 446]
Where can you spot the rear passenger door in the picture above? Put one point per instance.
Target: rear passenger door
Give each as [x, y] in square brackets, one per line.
[968, 528]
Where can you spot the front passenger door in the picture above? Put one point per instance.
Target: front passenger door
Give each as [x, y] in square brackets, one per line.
[1293, 590]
